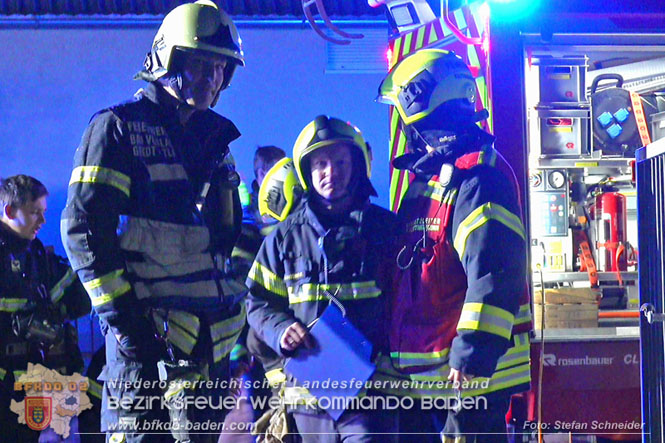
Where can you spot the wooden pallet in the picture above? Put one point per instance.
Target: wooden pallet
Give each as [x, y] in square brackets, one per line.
[567, 308]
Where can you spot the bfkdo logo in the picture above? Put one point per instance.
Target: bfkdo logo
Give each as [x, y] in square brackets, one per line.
[38, 412]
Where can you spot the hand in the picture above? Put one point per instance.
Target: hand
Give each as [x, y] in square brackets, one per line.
[458, 377]
[295, 335]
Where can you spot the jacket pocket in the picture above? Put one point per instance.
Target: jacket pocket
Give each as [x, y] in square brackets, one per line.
[297, 273]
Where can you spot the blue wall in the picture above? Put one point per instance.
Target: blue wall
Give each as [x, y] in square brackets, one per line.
[53, 80]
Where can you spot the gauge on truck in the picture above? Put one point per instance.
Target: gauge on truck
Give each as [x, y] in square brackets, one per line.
[556, 179]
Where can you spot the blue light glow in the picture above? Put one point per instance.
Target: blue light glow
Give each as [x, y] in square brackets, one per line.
[511, 10]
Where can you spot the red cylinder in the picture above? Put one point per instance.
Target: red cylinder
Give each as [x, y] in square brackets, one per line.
[610, 215]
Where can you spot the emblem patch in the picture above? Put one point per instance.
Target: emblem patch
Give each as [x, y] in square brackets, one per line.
[38, 412]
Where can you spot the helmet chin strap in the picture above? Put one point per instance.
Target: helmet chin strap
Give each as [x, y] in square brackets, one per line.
[174, 84]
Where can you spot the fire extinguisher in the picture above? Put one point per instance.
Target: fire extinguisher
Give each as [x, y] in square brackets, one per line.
[611, 241]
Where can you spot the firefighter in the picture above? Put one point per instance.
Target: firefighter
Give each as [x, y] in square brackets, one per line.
[39, 294]
[280, 194]
[335, 242]
[466, 315]
[255, 226]
[265, 158]
[152, 215]
[254, 229]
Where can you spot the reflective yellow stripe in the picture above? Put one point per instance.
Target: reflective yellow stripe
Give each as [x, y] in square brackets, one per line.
[418, 386]
[520, 353]
[242, 253]
[437, 362]
[107, 287]
[316, 292]
[3, 372]
[223, 348]
[185, 320]
[433, 375]
[504, 379]
[387, 380]
[513, 356]
[228, 327]
[487, 318]
[94, 388]
[521, 339]
[276, 377]
[177, 334]
[524, 315]
[12, 304]
[59, 289]
[231, 326]
[18, 374]
[450, 197]
[268, 279]
[181, 338]
[105, 176]
[480, 216]
[434, 190]
[406, 359]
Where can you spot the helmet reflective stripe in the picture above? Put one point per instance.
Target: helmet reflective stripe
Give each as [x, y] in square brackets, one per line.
[280, 190]
[199, 26]
[325, 131]
[423, 81]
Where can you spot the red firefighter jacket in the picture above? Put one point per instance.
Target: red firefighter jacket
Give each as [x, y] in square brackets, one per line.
[464, 302]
